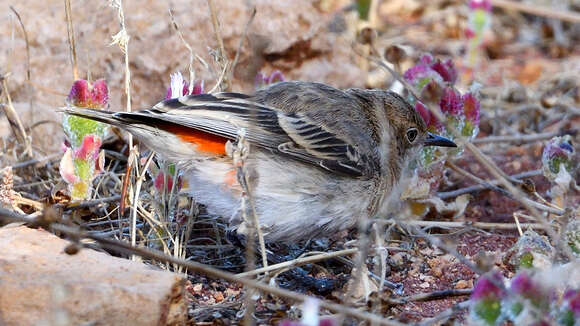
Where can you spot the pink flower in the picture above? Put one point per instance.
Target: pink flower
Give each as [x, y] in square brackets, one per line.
[487, 287]
[469, 33]
[160, 181]
[446, 70]
[426, 59]
[180, 87]
[67, 168]
[480, 4]
[89, 148]
[85, 94]
[451, 102]
[472, 108]
[573, 299]
[416, 72]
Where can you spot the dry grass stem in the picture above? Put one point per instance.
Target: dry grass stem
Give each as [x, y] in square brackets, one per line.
[216, 28]
[13, 119]
[221, 80]
[71, 39]
[122, 40]
[136, 198]
[299, 262]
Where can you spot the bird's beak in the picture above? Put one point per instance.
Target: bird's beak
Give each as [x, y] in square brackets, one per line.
[435, 140]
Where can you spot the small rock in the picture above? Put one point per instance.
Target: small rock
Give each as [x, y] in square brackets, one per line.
[463, 284]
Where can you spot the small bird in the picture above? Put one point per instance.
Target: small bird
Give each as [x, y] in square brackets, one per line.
[319, 158]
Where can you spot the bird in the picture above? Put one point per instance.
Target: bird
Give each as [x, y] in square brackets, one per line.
[319, 159]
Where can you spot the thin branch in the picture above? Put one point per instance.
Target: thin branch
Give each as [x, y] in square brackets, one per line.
[485, 185]
[520, 139]
[223, 61]
[216, 28]
[42, 160]
[523, 200]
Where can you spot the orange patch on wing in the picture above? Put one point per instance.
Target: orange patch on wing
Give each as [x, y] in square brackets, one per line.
[204, 141]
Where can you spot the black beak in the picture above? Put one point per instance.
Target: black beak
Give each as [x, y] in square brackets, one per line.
[435, 140]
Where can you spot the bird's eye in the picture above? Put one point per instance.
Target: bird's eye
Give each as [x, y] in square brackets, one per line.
[412, 135]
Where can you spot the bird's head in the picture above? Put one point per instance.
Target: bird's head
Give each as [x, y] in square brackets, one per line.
[409, 128]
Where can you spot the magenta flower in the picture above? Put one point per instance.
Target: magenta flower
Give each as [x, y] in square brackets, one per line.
[472, 108]
[451, 102]
[523, 285]
[488, 286]
[480, 4]
[572, 297]
[180, 87]
[89, 149]
[85, 94]
[446, 70]
[431, 71]
[160, 180]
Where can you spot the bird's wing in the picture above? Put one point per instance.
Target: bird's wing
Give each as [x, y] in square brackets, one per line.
[224, 114]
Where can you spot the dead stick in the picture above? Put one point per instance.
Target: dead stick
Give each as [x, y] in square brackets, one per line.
[431, 295]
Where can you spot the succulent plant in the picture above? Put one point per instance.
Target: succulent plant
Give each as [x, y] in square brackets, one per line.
[486, 299]
[558, 153]
[83, 159]
[435, 80]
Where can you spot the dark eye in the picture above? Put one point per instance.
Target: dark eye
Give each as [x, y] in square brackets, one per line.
[412, 135]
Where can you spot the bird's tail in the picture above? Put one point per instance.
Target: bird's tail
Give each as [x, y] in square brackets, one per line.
[97, 115]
